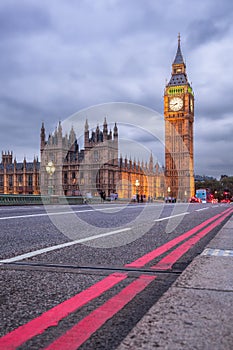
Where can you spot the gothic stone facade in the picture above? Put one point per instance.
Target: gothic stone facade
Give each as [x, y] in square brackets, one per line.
[97, 167]
[89, 171]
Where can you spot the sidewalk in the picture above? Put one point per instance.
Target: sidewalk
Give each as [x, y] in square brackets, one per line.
[197, 311]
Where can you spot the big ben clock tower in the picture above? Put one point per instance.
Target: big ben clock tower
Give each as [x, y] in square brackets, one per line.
[179, 117]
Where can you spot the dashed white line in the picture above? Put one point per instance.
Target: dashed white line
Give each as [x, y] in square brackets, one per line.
[63, 245]
[202, 209]
[170, 217]
[42, 214]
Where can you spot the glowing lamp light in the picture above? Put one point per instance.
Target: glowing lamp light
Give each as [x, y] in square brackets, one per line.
[50, 168]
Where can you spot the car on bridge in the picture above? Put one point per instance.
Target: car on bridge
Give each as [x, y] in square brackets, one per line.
[194, 200]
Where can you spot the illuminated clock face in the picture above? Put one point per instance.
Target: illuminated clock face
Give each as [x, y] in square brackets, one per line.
[176, 103]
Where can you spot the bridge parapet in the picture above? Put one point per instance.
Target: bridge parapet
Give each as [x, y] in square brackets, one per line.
[17, 199]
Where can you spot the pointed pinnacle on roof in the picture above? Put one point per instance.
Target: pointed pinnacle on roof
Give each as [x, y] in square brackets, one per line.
[179, 58]
[86, 125]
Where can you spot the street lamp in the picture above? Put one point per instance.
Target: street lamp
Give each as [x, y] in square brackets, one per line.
[137, 184]
[50, 168]
[168, 198]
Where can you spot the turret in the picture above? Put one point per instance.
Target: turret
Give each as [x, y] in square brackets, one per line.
[110, 135]
[134, 164]
[151, 163]
[72, 137]
[130, 163]
[105, 130]
[7, 158]
[115, 131]
[59, 133]
[42, 137]
[97, 132]
[35, 160]
[86, 134]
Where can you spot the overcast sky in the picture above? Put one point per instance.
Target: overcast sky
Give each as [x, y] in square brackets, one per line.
[62, 56]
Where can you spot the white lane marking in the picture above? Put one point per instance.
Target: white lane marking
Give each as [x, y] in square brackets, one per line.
[63, 245]
[55, 213]
[68, 212]
[42, 214]
[202, 209]
[170, 217]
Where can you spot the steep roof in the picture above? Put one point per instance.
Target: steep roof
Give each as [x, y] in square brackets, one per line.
[178, 76]
[179, 58]
[178, 79]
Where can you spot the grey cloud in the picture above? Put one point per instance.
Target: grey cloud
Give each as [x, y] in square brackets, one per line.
[211, 160]
[204, 31]
[20, 18]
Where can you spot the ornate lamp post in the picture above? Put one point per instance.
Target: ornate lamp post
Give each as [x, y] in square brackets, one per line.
[137, 184]
[50, 168]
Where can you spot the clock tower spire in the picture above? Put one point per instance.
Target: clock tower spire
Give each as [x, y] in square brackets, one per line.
[179, 118]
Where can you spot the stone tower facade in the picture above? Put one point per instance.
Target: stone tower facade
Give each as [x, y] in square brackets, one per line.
[86, 171]
[179, 118]
[98, 171]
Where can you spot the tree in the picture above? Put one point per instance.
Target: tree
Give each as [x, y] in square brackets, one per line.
[217, 187]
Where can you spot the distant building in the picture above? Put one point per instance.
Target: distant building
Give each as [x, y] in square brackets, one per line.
[19, 178]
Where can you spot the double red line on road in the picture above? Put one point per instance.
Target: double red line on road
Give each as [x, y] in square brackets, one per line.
[145, 259]
[82, 331]
[51, 317]
[168, 261]
[85, 328]
[89, 324]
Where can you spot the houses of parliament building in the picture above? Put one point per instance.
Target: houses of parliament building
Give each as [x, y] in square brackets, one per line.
[65, 169]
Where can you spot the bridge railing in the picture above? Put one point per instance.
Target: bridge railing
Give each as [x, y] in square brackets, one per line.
[18, 199]
[27, 199]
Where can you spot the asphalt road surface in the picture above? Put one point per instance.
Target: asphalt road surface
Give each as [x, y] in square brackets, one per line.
[83, 276]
